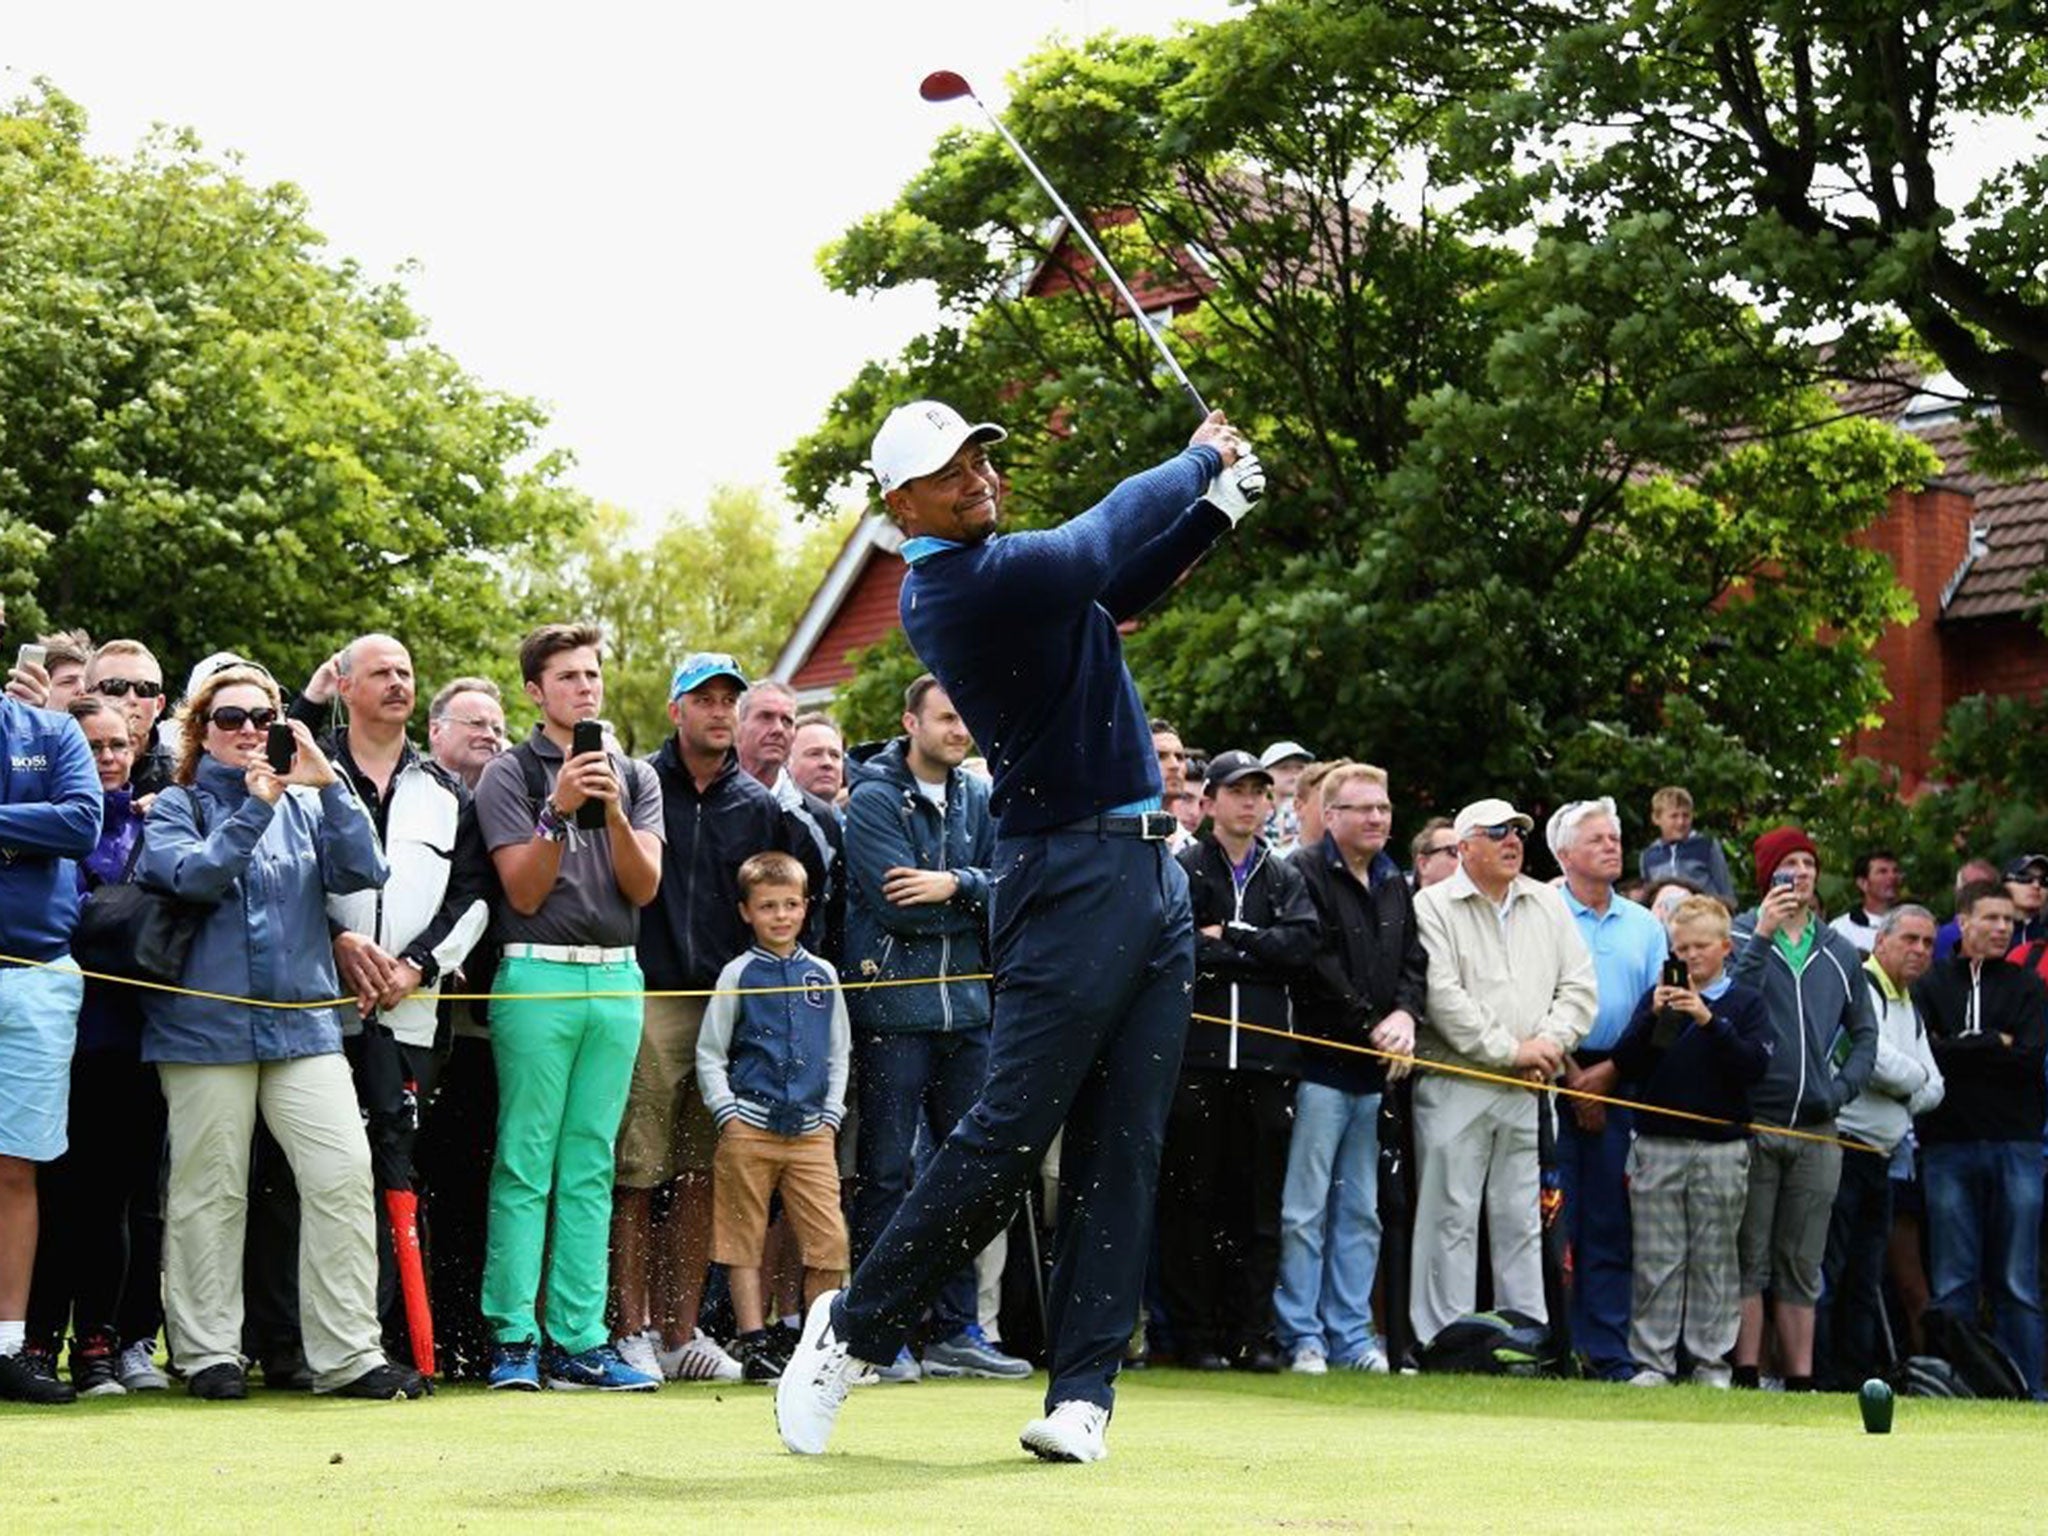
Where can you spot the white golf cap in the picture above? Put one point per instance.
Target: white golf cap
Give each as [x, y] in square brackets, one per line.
[1489, 813]
[920, 438]
[1284, 751]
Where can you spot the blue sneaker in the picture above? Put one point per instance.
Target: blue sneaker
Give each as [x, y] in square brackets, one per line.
[515, 1367]
[903, 1368]
[969, 1353]
[595, 1370]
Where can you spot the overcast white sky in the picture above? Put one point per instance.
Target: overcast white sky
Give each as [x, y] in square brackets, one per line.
[615, 208]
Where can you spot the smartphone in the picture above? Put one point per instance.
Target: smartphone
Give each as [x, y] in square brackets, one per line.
[1675, 973]
[280, 746]
[588, 736]
[1782, 877]
[31, 655]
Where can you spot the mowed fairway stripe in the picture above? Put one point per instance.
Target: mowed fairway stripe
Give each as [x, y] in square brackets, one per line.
[1187, 1453]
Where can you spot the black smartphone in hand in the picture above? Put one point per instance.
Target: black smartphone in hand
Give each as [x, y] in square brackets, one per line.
[1675, 973]
[280, 746]
[588, 736]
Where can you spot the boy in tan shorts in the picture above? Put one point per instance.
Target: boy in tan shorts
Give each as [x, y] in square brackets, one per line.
[772, 1066]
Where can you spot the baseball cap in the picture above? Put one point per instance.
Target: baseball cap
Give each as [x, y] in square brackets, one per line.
[1490, 813]
[1228, 767]
[1281, 751]
[919, 439]
[2026, 863]
[698, 668]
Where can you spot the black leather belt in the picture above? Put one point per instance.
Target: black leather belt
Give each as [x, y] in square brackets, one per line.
[1152, 826]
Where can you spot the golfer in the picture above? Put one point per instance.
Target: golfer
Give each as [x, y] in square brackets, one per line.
[1093, 943]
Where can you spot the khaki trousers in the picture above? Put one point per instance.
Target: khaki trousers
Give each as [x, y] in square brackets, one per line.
[1474, 1144]
[310, 1106]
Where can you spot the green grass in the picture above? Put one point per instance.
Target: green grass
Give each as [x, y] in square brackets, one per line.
[1188, 1453]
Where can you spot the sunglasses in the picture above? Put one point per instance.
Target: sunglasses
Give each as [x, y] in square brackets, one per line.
[1500, 833]
[121, 687]
[2028, 880]
[1436, 853]
[232, 717]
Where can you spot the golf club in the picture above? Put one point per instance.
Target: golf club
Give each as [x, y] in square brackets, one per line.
[945, 85]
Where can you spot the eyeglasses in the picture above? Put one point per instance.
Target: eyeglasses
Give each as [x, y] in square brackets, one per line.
[232, 717]
[121, 687]
[118, 746]
[1437, 853]
[1500, 833]
[476, 723]
[1358, 810]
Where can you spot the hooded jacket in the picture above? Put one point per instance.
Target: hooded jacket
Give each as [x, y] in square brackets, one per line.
[776, 1049]
[693, 926]
[1823, 1019]
[1905, 1081]
[1269, 937]
[1368, 962]
[269, 871]
[49, 817]
[890, 824]
[1994, 1090]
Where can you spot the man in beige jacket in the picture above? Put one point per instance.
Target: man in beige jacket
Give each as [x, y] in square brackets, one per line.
[1511, 992]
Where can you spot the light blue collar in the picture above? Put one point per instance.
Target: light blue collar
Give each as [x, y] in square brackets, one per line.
[925, 545]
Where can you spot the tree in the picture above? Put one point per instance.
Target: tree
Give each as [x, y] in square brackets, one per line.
[732, 579]
[1522, 494]
[211, 436]
[1798, 145]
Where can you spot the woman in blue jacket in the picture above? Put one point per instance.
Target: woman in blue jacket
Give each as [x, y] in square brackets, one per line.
[264, 850]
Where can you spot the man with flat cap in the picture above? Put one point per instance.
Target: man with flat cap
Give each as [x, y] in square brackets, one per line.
[1091, 934]
[1511, 992]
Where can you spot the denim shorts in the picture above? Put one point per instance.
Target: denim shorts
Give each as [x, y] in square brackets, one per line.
[38, 1029]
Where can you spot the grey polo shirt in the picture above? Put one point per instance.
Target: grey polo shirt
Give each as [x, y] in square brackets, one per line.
[586, 905]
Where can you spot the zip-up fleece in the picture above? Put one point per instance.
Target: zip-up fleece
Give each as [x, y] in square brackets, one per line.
[693, 926]
[1995, 1090]
[1816, 1015]
[1269, 937]
[890, 825]
[776, 1058]
[270, 870]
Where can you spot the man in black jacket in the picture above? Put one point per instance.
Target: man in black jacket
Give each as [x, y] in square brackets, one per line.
[715, 817]
[1226, 1134]
[1987, 1020]
[1365, 988]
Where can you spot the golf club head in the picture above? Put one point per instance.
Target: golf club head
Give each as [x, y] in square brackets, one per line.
[944, 85]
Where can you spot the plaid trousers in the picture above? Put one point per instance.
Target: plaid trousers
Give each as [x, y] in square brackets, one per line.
[1686, 1199]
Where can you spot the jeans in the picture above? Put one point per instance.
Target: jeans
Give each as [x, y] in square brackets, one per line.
[1094, 948]
[902, 1081]
[1984, 1230]
[1329, 1223]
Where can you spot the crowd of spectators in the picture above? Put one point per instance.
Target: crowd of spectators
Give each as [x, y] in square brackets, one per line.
[738, 992]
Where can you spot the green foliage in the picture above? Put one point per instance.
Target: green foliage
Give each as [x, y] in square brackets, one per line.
[732, 579]
[1541, 509]
[869, 707]
[213, 436]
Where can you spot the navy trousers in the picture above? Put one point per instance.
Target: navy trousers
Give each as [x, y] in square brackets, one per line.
[1094, 962]
[1595, 1169]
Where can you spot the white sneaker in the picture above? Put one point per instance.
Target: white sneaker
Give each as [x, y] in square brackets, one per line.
[1372, 1359]
[1649, 1378]
[1071, 1432]
[1309, 1361]
[814, 1384]
[1719, 1377]
[699, 1360]
[138, 1372]
[637, 1350]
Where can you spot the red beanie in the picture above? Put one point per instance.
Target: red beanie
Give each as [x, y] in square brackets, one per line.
[1774, 845]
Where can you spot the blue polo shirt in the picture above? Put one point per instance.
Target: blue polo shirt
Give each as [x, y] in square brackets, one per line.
[1629, 946]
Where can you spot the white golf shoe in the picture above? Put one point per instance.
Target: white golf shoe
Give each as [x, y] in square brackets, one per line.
[1073, 1431]
[814, 1384]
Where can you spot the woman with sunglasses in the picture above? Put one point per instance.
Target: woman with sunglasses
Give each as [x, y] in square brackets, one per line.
[89, 1275]
[267, 849]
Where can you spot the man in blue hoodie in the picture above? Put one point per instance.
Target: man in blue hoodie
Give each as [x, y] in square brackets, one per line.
[1092, 934]
[918, 844]
[49, 817]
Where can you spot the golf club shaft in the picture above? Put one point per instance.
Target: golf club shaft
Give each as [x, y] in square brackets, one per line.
[1080, 230]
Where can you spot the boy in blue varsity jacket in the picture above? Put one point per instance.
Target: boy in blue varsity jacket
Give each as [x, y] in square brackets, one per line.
[772, 1065]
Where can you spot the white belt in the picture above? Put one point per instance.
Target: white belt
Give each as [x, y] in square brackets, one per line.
[568, 954]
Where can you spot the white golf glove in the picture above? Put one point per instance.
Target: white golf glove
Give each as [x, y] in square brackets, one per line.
[1233, 491]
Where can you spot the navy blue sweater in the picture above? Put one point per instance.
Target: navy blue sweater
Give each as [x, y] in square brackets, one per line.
[1704, 1072]
[1022, 630]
